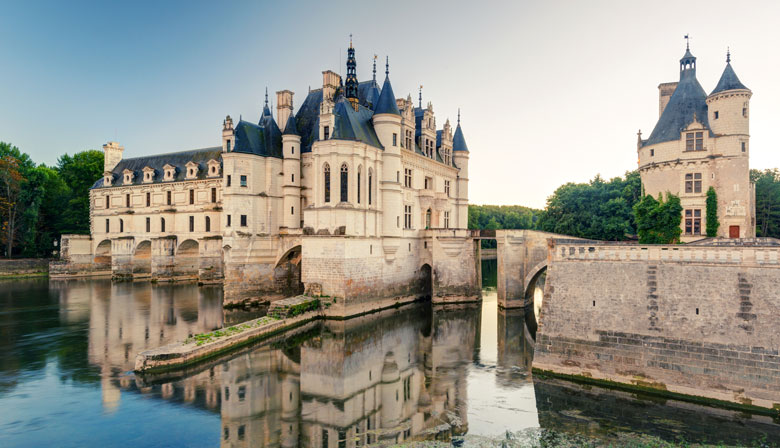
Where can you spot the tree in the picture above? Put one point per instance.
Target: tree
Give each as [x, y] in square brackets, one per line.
[10, 189]
[79, 173]
[658, 221]
[767, 184]
[712, 213]
[596, 210]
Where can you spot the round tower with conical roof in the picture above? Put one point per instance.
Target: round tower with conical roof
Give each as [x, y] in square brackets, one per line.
[729, 105]
[291, 151]
[387, 124]
[460, 155]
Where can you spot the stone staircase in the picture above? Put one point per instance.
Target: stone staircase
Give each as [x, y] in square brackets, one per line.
[293, 306]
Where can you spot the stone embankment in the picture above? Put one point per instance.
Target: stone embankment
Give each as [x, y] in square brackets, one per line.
[24, 267]
[283, 315]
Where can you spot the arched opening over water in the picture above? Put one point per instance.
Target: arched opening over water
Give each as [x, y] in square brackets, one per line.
[534, 295]
[103, 256]
[142, 259]
[287, 273]
[186, 259]
[425, 280]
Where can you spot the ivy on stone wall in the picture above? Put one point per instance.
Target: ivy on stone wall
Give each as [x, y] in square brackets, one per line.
[658, 221]
[712, 213]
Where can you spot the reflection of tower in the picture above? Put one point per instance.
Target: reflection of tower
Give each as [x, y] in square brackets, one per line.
[515, 346]
[390, 389]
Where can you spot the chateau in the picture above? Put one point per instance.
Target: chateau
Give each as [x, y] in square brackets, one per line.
[702, 141]
[356, 196]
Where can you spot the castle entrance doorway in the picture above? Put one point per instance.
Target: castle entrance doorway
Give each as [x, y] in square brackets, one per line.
[733, 231]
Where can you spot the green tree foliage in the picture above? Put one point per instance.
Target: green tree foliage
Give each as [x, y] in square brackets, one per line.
[39, 203]
[495, 217]
[767, 202]
[712, 213]
[597, 210]
[658, 221]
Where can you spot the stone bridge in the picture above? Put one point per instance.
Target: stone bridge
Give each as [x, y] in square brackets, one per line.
[522, 259]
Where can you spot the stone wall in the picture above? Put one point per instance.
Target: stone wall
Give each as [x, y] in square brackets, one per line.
[457, 267]
[23, 266]
[695, 320]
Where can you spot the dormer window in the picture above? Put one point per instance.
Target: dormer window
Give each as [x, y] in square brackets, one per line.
[694, 141]
[128, 177]
[213, 168]
[170, 172]
[148, 174]
[107, 180]
[192, 170]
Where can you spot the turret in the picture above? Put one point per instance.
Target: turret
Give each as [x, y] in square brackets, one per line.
[330, 83]
[729, 106]
[460, 155]
[291, 167]
[228, 134]
[387, 124]
[351, 84]
[112, 155]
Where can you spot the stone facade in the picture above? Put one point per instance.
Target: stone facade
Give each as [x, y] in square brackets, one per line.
[696, 320]
[702, 141]
[344, 198]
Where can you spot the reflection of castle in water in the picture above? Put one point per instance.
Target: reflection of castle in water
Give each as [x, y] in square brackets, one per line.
[386, 377]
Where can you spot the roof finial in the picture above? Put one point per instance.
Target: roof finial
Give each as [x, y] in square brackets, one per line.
[728, 55]
[459, 116]
[375, 56]
[266, 96]
[350, 40]
[687, 42]
[387, 66]
[421, 96]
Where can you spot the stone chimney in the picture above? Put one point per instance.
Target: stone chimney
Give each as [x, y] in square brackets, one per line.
[665, 91]
[228, 135]
[330, 82]
[284, 107]
[112, 155]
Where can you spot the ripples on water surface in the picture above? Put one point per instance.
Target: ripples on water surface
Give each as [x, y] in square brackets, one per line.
[410, 375]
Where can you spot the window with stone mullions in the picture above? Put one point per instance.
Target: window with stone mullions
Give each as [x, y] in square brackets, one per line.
[344, 183]
[693, 222]
[693, 183]
[694, 141]
[407, 178]
[407, 216]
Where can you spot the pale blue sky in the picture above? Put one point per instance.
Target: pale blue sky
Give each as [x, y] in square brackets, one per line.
[550, 92]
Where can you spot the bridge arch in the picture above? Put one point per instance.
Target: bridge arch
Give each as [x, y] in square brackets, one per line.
[186, 259]
[102, 258]
[425, 280]
[142, 259]
[534, 293]
[287, 271]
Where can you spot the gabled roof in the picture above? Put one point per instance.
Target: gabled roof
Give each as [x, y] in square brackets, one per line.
[157, 162]
[686, 104]
[265, 140]
[728, 81]
[368, 93]
[386, 103]
[458, 141]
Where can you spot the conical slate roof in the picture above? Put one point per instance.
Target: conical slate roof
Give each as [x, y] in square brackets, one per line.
[728, 81]
[458, 142]
[290, 128]
[386, 103]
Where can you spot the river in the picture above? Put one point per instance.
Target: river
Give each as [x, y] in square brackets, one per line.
[413, 374]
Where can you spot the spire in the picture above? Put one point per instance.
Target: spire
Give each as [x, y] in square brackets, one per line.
[688, 62]
[291, 128]
[728, 80]
[386, 103]
[375, 68]
[266, 110]
[458, 141]
[420, 96]
[351, 86]
[266, 95]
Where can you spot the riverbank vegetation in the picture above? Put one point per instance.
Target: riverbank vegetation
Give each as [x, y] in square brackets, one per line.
[38, 203]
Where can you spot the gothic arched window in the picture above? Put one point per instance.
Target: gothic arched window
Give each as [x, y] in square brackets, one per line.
[428, 219]
[208, 224]
[359, 172]
[370, 187]
[344, 183]
[326, 172]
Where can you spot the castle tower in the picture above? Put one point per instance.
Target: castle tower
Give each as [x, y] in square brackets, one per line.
[112, 155]
[729, 104]
[387, 124]
[291, 148]
[228, 134]
[460, 155]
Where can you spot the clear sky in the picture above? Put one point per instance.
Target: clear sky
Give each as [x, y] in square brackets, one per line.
[550, 92]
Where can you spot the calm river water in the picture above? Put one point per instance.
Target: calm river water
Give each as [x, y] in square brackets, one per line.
[413, 374]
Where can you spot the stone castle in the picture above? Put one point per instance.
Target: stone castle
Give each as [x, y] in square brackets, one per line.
[357, 196]
[702, 141]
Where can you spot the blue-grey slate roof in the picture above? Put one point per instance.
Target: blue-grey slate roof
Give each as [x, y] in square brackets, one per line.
[291, 128]
[368, 93]
[262, 140]
[458, 141]
[354, 125]
[386, 103]
[728, 81]
[687, 102]
[157, 162]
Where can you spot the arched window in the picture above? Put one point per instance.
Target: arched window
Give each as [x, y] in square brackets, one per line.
[208, 224]
[162, 225]
[360, 169]
[344, 183]
[370, 188]
[428, 219]
[326, 172]
[121, 226]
